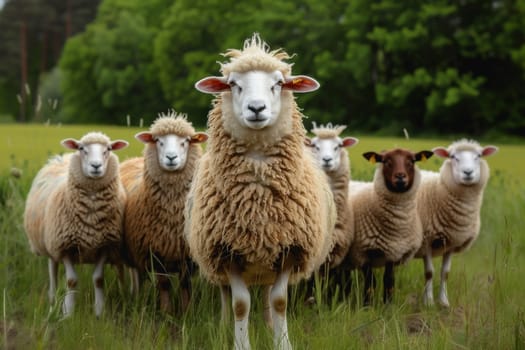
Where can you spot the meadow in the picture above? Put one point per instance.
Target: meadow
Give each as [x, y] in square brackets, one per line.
[486, 289]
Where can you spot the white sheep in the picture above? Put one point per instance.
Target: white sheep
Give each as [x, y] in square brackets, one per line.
[156, 186]
[449, 204]
[387, 227]
[74, 212]
[260, 211]
[331, 154]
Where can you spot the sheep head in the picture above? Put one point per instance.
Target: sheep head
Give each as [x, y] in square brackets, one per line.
[398, 167]
[327, 145]
[254, 83]
[465, 160]
[94, 150]
[171, 135]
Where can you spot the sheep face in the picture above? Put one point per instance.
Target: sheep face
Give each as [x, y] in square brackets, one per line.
[94, 156]
[255, 95]
[398, 167]
[465, 163]
[327, 151]
[172, 150]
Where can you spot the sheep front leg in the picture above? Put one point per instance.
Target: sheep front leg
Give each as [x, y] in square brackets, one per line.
[71, 280]
[98, 282]
[225, 298]
[241, 310]
[278, 299]
[388, 282]
[370, 284]
[428, 295]
[445, 269]
[163, 284]
[53, 270]
[185, 289]
[267, 306]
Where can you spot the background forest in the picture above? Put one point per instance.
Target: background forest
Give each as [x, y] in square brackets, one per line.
[432, 67]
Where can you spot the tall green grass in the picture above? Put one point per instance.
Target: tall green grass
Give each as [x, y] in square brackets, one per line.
[486, 285]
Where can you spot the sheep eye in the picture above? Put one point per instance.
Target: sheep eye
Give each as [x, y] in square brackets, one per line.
[317, 148]
[336, 147]
[80, 148]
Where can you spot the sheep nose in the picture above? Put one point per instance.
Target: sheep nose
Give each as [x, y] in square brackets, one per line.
[257, 107]
[327, 159]
[171, 158]
[400, 176]
[468, 172]
[96, 165]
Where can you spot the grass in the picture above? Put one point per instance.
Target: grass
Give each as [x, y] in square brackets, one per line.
[486, 289]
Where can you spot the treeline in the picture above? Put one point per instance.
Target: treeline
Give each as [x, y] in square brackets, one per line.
[385, 65]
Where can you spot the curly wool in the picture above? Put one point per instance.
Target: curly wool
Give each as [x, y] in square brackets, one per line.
[67, 213]
[255, 213]
[154, 219]
[385, 221]
[450, 212]
[172, 123]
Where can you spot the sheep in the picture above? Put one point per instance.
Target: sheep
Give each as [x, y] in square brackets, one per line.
[330, 152]
[388, 230]
[156, 186]
[260, 211]
[74, 212]
[449, 204]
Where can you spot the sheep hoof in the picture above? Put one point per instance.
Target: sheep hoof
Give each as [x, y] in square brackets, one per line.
[310, 301]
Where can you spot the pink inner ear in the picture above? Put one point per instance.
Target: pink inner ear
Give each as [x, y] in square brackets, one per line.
[489, 150]
[212, 85]
[441, 152]
[301, 83]
[70, 143]
[199, 138]
[308, 142]
[145, 137]
[349, 141]
[118, 144]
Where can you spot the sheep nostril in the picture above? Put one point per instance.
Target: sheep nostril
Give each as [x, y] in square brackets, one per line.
[256, 109]
[171, 158]
[96, 166]
[468, 172]
[327, 159]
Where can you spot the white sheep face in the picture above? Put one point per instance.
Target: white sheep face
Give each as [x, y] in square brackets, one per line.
[328, 151]
[94, 156]
[256, 97]
[465, 163]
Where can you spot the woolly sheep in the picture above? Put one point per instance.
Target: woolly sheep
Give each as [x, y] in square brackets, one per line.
[330, 152]
[260, 211]
[449, 204]
[387, 228]
[156, 186]
[74, 211]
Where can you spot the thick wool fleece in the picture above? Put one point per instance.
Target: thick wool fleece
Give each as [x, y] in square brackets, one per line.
[67, 213]
[450, 212]
[387, 226]
[258, 212]
[154, 217]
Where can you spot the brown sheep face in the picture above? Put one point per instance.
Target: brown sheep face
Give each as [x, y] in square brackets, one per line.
[398, 167]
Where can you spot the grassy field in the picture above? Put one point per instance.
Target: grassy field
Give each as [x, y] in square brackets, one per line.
[486, 289]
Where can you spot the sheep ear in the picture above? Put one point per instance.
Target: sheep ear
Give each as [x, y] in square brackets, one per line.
[441, 152]
[199, 137]
[70, 143]
[350, 141]
[308, 142]
[145, 137]
[489, 150]
[373, 157]
[119, 144]
[212, 85]
[423, 155]
[300, 83]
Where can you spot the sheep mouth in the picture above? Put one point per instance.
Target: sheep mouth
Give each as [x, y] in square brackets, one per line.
[398, 187]
[95, 174]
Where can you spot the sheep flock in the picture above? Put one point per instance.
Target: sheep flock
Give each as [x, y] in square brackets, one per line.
[252, 201]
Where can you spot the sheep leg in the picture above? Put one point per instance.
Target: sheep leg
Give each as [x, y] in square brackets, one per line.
[71, 280]
[370, 284]
[53, 271]
[98, 282]
[428, 295]
[134, 281]
[388, 282]
[267, 306]
[241, 309]
[278, 299]
[163, 285]
[309, 298]
[445, 269]
[185, 289]
[225, 310]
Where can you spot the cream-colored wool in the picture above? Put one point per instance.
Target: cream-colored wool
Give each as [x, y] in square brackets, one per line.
[339, 183]
[450, 211]
[258, 199]
[154, 216]
[67, 213]
[385, 221]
